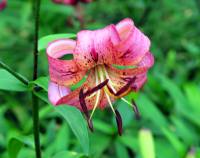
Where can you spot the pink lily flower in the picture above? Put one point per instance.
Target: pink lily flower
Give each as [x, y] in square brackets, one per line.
[3, 4]
[95, 55]
[71, 2]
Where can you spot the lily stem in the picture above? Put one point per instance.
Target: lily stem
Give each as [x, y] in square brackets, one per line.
[35, 104]
[18, 76]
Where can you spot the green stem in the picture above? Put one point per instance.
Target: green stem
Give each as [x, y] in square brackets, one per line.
[35, 104]
[18, 76]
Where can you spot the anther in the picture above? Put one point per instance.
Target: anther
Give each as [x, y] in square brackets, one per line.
[119, 122]
[99, 86]
[85, 110]
[135, 108]
[123, 89]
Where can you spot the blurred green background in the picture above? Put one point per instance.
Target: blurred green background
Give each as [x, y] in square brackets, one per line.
[169, 102]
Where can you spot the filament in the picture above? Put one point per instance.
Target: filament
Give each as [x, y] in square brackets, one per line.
[98, 95]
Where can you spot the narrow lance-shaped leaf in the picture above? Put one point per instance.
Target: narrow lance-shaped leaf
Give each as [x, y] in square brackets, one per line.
[77, 123]
[10, 83]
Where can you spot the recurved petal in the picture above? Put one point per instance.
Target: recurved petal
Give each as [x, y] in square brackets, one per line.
[124, 28]
[56, 92]
[147, 61]
[96, 47]
[119, 78]
[58, 48]
[63, 72]
[139, 82]
[133, 48]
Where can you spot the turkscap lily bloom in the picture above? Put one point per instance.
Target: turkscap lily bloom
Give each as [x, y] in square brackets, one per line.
[71, 2]
[3, 4]
[96, 57]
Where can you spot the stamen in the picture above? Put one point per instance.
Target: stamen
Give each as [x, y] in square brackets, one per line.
[85, 110]
[107, 96]
[135, 108]
[98, 87]
[96, 103]
[97, 97]
[119, 122]
[123, 89]
[107, 76]
[126, 87]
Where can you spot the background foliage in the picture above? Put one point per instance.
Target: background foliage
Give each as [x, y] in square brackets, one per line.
[169, 102]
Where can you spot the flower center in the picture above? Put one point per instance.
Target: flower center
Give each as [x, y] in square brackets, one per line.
[105, 86]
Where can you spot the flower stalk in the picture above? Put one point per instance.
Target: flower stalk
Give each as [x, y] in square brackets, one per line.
[35, 105]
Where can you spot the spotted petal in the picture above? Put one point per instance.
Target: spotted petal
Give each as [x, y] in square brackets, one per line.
[120, 78]
[63, 72]
[96, 47]
[134, 44]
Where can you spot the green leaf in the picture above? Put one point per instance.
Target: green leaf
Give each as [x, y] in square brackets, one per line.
[43, 96]
[103, 127]
[192, 92]
[44, 41]
[121, 151]
[176, 143]
[185, 131]
[42, 82]
[152, 112]
[76, 121]
[14, 146]
[164, 149]
[10, 83]
[68, 154]
[130, 142]
[146, 142]
[181, 102]
[59, 144]
[104, 142]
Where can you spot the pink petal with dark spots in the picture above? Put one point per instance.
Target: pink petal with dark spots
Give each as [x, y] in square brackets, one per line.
[63, 72]
[134, 44]
[96, 47]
